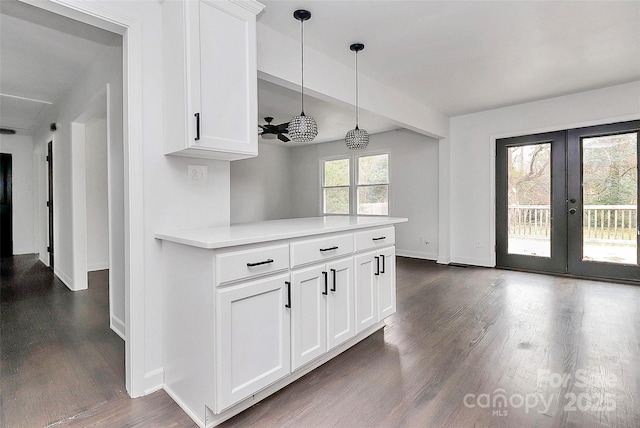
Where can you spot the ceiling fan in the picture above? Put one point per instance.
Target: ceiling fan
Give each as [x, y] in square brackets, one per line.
[268, 130]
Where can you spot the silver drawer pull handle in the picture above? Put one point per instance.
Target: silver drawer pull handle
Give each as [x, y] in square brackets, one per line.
[328, 249]
[260, 263]
[380, 238]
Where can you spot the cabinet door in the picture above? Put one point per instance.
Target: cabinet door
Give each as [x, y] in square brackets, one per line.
[309, 314]
[223, 77]
[387, 283]
[252, 338]
[340, 305]
[367, 269]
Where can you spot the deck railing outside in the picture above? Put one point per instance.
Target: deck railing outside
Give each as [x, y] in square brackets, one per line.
[603, 223]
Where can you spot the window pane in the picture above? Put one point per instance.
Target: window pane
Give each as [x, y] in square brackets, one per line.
[336, 200]
[529, 200]
[373, 169]
[610, 198]
[336, 172]
[373, 200]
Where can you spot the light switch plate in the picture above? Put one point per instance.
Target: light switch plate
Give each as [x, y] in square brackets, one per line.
[198, 175]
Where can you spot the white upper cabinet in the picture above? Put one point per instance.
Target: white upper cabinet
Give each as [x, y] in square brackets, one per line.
[210, 78]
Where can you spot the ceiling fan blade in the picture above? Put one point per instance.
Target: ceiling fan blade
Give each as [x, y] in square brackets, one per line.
[282, 127]
[263, 127]
[283, 138]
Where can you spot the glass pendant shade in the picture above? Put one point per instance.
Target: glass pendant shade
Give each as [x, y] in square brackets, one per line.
[302, 128]
[356, 139]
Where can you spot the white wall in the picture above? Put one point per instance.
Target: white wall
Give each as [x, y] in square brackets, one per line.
[168, 202]
[21, 149]
[472, 156]
[96, 176]
[261, 186]
[413, 191]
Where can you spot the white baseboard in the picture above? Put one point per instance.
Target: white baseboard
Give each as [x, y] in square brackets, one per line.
[98, 266]
[153, 381]
[117, 325]
[44, 258]
[444, 260]
[472, 261]
[64, 278]
[416, 254]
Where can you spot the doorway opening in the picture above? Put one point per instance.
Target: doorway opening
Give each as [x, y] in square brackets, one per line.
[567, 202]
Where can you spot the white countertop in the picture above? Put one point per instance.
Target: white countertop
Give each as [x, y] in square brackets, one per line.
[264, 231]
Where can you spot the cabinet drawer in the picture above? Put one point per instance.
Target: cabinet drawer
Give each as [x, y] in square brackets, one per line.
[252, 262]
[312, 250]
[375, 238]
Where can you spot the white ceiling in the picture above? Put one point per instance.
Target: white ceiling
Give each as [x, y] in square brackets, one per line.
[461, 57]
[43, 55]
[457, 57]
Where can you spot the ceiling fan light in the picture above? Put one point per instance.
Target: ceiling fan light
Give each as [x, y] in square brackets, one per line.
[302, 128]
[356, 139]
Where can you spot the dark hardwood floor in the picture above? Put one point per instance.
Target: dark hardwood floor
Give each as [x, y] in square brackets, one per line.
[61, 364]
[468, 347]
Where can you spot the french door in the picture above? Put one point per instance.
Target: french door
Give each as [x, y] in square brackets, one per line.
[567, 202]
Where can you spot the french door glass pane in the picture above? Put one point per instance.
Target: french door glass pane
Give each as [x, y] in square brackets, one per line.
[610, 198]
[373, 200]
[336, 200]
[529, 200]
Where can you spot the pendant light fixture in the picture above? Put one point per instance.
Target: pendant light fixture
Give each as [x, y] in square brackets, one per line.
[302, 128]
[357, 138]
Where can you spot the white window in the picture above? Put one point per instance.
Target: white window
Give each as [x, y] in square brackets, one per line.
[365, 192]
[336, 186]
[373, 185]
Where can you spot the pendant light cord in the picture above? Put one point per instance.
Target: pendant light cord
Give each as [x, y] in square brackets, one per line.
[357, 97]
[302, 68]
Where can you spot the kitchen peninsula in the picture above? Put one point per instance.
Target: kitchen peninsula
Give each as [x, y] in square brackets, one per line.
[250, 308]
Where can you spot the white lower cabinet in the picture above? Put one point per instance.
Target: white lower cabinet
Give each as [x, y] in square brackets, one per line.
[253, 333]
[242, 321]
[375, 285]
[322, 309]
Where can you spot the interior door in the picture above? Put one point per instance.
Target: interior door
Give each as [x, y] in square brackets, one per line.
[50, 201]
[531, 219]
[6, 209]
[603, 201]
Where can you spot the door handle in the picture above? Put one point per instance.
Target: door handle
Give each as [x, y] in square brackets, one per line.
[333, 288]
[572, 211]
[377, 265]
[197, 115]
[288, 305]
[382, 255]
[326, 283]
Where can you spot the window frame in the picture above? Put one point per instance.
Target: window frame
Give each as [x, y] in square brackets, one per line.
[354, 160]
[357, 180]
[323, 187]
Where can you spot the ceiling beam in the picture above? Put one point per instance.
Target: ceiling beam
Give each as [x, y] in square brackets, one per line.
[330, 80]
